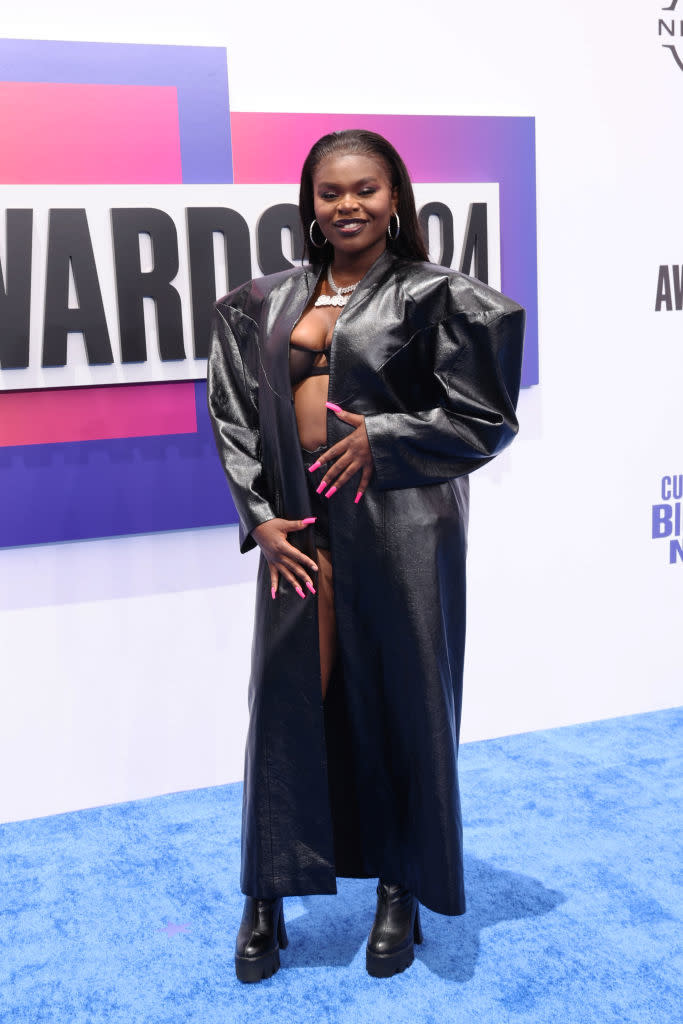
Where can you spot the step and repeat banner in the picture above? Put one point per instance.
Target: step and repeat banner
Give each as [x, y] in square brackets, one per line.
[137, 187]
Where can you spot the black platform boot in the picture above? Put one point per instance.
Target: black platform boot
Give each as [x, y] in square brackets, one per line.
[261, 936]
[394, 931]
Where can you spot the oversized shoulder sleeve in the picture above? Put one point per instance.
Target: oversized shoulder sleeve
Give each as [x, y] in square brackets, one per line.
[232, 387]
[474, 368]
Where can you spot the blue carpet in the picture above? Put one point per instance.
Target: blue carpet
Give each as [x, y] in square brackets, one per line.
[128, 913]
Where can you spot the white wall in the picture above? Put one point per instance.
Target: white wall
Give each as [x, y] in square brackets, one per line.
[125, 661]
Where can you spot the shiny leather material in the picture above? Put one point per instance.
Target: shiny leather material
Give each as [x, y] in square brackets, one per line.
[364, 785]
[260, 938]
[394, 931]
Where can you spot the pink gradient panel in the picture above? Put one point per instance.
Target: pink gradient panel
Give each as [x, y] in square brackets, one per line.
[88, 134]
[273, 147]
[93, 414]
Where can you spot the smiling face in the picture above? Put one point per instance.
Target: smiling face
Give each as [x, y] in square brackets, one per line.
[353, 201]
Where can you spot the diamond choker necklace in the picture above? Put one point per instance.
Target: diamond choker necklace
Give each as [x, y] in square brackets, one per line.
[341, 295]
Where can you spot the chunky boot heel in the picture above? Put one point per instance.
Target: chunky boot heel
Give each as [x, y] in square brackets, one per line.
[282, 939]
[417, 930]
[257, 951]
[394, 932]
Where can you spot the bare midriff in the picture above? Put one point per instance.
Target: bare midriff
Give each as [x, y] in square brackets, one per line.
[313, 332]
[310, 342]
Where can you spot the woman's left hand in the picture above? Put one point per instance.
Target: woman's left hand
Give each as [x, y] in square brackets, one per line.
[347, 457]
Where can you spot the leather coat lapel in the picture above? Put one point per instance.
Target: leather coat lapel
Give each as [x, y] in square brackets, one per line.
[286, 306]
[358, 349]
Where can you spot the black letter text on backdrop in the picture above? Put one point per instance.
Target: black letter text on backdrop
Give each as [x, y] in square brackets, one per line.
[133, 284]
[15, 294]
[69, 245]
[202, 223]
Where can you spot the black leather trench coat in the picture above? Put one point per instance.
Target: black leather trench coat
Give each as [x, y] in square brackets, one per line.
[365, 783]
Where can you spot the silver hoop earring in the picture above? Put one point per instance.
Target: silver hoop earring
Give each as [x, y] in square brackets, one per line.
[393, 238]
[310, 235]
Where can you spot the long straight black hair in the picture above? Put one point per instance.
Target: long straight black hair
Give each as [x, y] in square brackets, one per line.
[410, 242]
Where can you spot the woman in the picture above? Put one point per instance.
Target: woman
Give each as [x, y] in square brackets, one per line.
[350, 399]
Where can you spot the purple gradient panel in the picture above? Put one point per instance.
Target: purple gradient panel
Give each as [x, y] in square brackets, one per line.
[75, 491]
[498, 149]
[448, 148]
[199, 73]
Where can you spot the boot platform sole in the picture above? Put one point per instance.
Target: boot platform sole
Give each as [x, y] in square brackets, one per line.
[251, 969]
[385, 965]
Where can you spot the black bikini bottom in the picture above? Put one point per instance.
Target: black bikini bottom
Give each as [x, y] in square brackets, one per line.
[319, 503]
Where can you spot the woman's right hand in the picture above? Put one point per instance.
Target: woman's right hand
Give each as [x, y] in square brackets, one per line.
[282, 557]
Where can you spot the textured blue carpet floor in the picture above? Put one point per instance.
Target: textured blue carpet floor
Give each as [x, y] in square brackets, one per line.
[128, 913]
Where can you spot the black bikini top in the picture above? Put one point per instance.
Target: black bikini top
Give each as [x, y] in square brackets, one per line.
[302, 362]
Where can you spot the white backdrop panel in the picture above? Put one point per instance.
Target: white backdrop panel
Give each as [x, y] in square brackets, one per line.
[130, 678]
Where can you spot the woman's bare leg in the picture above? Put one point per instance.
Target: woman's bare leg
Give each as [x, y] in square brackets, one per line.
[327, 623]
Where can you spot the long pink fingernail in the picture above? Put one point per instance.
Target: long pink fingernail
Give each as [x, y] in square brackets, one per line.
[310, 586]
[331, 491]
[308, 520]
[316, 465]
[333, 407]
[273, 591]
[359, 495]
[299, 591]
[322, 487]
